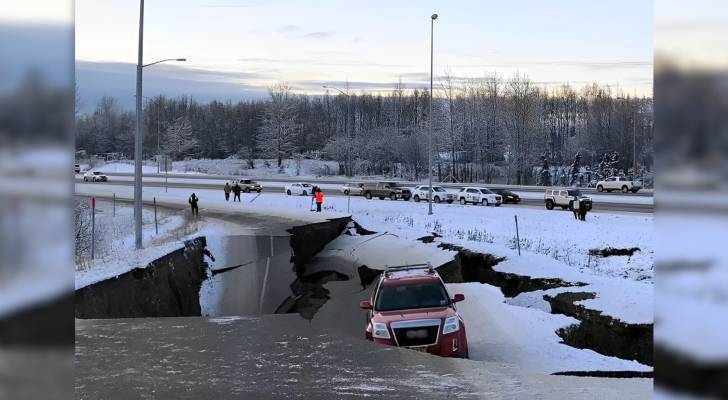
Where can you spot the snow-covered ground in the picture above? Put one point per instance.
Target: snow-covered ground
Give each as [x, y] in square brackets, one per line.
[526, 337]
[116, 253]
[553, 243]
[233, 166]
[497, 330]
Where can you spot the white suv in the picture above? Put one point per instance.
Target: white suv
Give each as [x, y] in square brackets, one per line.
[439, 194]
[564, 197]
[619, 183]
[479, 195]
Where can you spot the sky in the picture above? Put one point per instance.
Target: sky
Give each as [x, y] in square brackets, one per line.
[238, 48]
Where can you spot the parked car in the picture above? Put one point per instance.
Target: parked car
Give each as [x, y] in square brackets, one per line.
[507, 195]
[248, 185]
[564, 197]
[299, 188]
[352, 188]
[439, 194]
[384, 190]
[619, 183]
[479, 195]
[95, 176]
[410, 307]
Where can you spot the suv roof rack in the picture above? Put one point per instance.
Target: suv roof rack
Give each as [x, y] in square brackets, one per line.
[396, 268]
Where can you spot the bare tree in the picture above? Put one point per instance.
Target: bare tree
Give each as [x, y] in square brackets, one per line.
[279, 127]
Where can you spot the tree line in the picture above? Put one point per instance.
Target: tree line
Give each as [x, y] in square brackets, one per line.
[483, 130]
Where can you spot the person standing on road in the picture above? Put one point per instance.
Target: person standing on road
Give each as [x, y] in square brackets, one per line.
[227, 189]
[319, 199]
[236, 192]
[575, 207]
[193, 204]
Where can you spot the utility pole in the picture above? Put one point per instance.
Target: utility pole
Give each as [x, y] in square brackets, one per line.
[429, 139]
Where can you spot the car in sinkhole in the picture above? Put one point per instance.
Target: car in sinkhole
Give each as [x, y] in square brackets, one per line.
[410, 307]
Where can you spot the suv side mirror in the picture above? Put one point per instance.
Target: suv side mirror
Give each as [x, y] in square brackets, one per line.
[458, 298]
[365, 305]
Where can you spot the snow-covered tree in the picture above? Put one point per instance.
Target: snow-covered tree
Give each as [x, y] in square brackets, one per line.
[279, 127]
[179, 139]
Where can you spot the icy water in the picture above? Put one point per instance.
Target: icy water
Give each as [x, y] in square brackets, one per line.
[254, 274]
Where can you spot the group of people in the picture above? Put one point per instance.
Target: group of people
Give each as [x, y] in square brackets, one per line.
[236, 189]
[579, 208]
[318, 197]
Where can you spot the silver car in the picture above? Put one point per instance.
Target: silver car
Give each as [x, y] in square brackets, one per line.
[352, 188]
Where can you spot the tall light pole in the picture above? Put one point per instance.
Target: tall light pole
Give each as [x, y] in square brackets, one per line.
[429, 139]
[348, 131]
[138, 138]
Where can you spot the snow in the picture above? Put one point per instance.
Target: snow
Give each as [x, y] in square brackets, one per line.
[691, 305]
[120, 257]
[232, 167]
[293, 208]
[524, 336]
[553, 243]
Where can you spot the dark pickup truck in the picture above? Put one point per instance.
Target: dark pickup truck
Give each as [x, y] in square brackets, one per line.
[384, 190]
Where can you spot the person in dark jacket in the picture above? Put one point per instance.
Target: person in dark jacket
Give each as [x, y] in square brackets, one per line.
[193, 204]
[582, 210]
[236, 192]
[227, 189]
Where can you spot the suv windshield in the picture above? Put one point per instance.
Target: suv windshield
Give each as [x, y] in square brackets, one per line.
[420, 295]
[437, 189]
[486, 191]
[574, 192]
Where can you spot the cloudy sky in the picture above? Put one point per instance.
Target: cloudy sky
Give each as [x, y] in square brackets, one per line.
[237, 48]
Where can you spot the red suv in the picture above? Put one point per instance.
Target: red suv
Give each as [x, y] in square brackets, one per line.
[410, 307]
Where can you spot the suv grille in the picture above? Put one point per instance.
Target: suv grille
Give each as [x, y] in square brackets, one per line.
[416, 333]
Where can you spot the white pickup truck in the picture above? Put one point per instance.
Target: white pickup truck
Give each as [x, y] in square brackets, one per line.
[619, 183]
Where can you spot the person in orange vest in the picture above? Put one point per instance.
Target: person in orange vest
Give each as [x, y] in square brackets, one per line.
[319, 199]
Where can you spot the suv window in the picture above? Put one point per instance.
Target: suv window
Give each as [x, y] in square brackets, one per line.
[472, 191]
[485, 191]
[574, 193]
[610, 179]
[420, 295]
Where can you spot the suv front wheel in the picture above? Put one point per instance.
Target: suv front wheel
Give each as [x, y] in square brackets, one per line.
[549, 204]
[436, 199]
[485, 202]
[417, 198]
[625, 189]
[462, 201]
[600, 188]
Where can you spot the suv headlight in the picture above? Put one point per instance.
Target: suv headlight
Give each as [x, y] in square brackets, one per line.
[380, 331]
[452, 324]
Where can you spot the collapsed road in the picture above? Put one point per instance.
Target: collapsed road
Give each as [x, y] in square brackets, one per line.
[236, 344]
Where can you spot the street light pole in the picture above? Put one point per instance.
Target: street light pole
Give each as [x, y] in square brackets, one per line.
[348, 130]
[138, 137]
[429, 138]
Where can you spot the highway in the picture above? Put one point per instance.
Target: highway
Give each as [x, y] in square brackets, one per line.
[531, 196]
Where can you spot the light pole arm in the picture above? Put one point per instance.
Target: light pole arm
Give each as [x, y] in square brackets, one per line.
[165, 60]
[337, 89]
